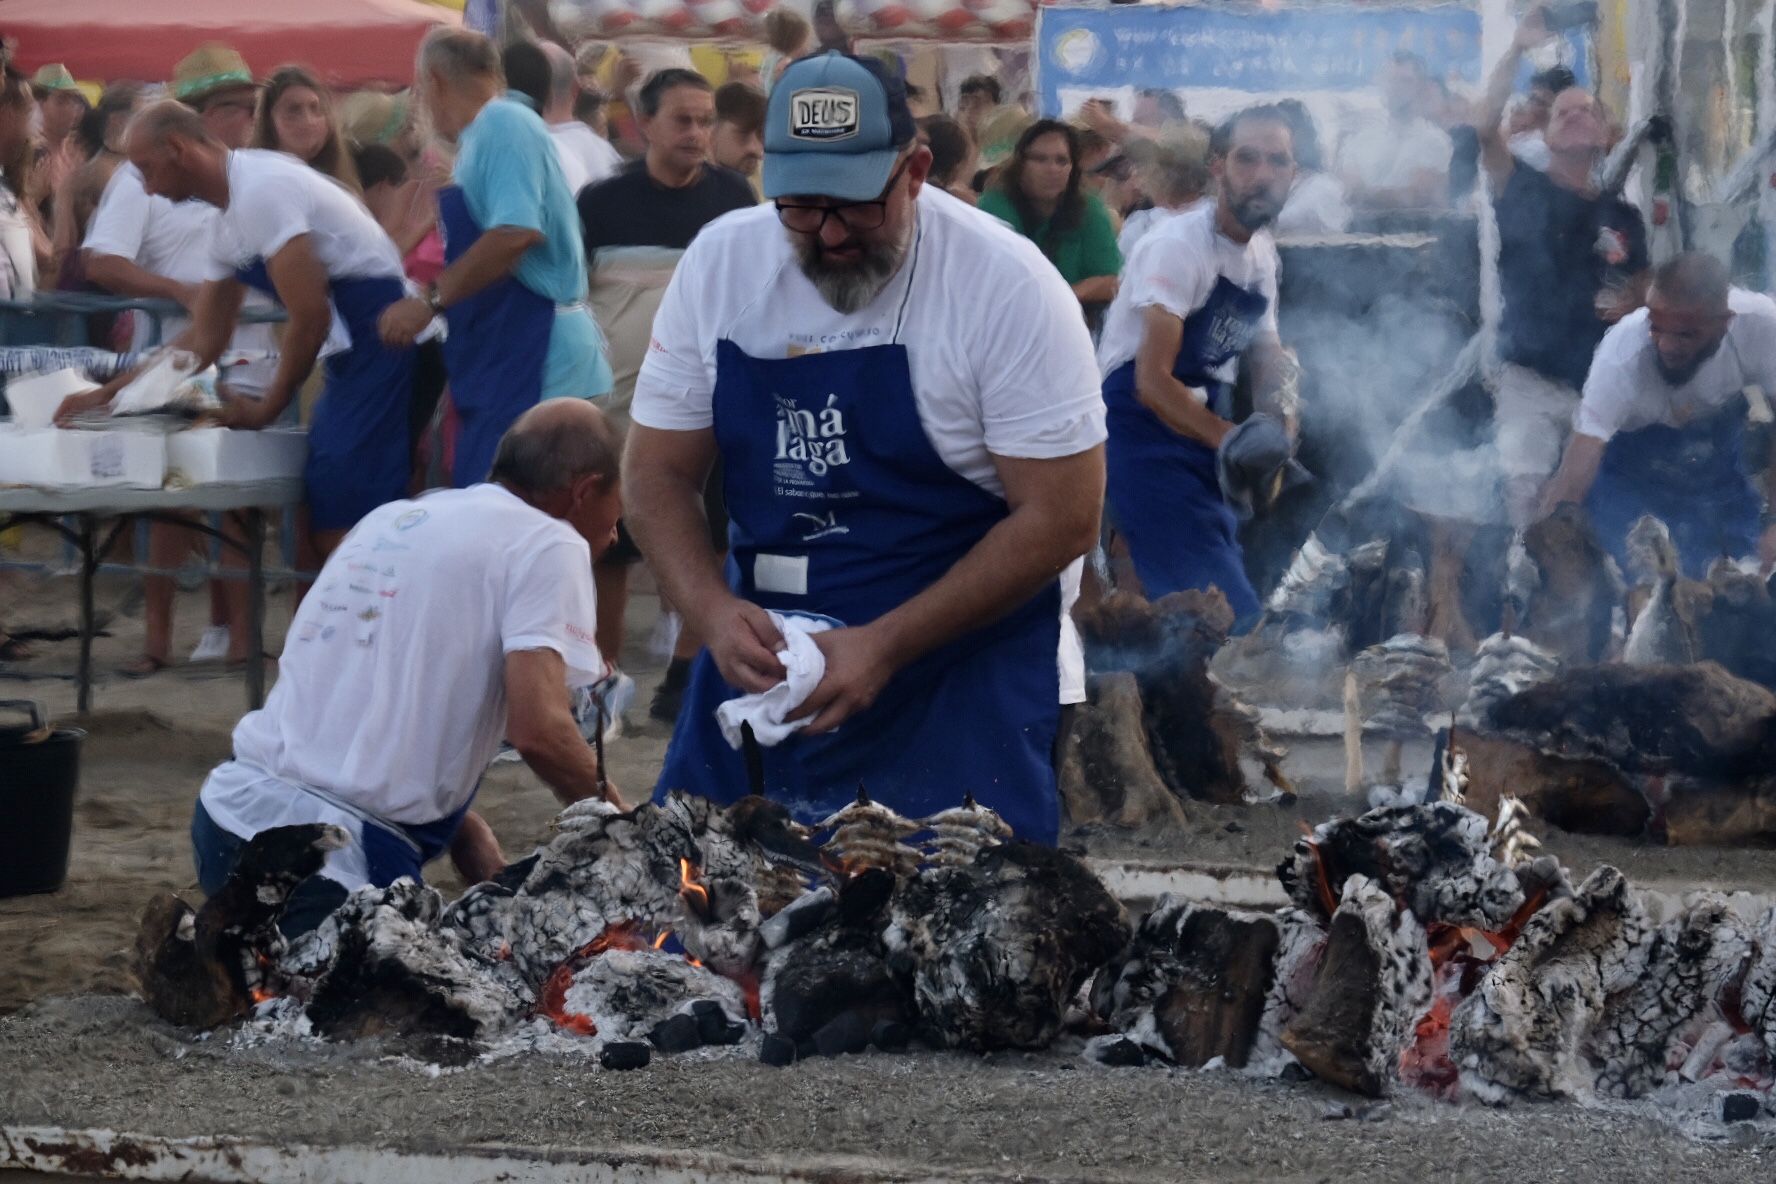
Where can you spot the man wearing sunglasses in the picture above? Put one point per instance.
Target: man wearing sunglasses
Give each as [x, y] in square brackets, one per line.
[904, 401]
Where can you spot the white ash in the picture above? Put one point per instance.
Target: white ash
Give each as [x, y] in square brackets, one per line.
[627, 993]
[1435, 857]
[1504, 666]
[1757, 997]
[1402, 676]
[995, 951]
[719, 916]
[1299, 952]
[1694, 959]
[1520, 1033]
[963, 832]
[868, 834]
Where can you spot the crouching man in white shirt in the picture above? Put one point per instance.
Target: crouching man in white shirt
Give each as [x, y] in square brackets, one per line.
[439, 625]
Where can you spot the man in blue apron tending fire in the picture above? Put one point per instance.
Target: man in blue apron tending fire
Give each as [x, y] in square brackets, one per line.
[514, 291]
[1661, 428]
[1197, 296]
[299, 237]
[904, 400]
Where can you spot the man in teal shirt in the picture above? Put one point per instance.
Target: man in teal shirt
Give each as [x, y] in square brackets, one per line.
[514, 291]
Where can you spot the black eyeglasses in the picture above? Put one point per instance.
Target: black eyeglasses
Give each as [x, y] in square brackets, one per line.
[853, 215]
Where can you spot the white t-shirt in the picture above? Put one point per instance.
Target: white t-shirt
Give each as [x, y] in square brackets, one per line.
[592, 154]
[1175, 268]
[170, 239]
[391, 690]
[18, 257]
[1317, 205]
[1625, 391]
[273, 197]
[1137, 225]
[1386, 155]
[1000, 357]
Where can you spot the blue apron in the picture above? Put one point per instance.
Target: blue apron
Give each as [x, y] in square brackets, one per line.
[357, 435]
[840, 506]
[1691, 478]
[496, 351]
[1163, 494]
[393, 850]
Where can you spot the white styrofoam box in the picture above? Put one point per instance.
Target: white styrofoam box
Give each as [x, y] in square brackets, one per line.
[34, 400]
[203, 456]
[59, 459]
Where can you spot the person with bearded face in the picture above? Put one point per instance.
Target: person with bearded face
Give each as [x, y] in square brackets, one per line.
[903, 398]
[1198, 295]
[1572, 262]
[1662, 426]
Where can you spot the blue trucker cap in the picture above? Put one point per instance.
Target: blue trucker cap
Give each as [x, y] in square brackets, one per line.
[834, 127]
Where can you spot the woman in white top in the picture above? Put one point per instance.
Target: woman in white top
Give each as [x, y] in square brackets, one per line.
[23, 242]
[1317, 202]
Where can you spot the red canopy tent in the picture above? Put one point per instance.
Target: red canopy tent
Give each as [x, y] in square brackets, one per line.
[350, 42]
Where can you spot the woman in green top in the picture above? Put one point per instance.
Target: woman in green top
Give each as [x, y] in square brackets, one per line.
[1038, 192]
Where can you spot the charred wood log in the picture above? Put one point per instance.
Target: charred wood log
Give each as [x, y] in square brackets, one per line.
[1373, 984]
[1582, 795]
[1578, 589]
[994, 952]
[1736, 815]
[199, 968]
[1107, 771]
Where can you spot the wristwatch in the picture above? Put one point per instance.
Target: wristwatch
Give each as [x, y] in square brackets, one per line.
[433, 298]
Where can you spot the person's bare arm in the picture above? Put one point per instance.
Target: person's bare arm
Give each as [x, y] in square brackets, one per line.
[1573, 479]
[1489, 120]
[663, 477]
[540, 725]
[125, 277]
[1099, 289]
[212, 324]
[492, 257]
[1176, 405]
[1055, 508]
[475, 850]
[300, 280]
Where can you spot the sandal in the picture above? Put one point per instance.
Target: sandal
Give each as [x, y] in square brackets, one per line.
[144, 667]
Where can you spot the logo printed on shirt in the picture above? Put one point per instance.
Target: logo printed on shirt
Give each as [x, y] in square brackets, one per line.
[411, 519]
[823, 114]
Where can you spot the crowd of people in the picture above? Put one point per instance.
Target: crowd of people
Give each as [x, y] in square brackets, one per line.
[885, 373]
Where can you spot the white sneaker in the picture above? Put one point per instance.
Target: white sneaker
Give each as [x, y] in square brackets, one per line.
[663, 640]
[212, 646]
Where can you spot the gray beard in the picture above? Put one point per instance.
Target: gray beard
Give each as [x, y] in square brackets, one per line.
[851, 286]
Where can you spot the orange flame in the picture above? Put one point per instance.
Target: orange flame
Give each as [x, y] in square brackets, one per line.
[552, 999]
[661, 940]
[695, 895]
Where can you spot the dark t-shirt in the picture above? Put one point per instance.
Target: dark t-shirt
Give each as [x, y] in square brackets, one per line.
[1557, 251]
[631, 209]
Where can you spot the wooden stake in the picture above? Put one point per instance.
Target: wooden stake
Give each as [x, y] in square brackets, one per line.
[1353, 734]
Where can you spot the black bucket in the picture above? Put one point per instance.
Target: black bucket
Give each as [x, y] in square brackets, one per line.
[39, 771]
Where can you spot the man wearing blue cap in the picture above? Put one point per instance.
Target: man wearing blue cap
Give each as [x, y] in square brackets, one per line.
[903, 397]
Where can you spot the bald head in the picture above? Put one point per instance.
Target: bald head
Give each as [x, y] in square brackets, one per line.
[1688, 314]
[556, 444]
[1695, 281]
[171, 146]
[155, 125]
[564, 79]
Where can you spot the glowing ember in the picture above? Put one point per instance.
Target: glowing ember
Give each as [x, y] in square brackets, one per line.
[552, 999]
[693, 893]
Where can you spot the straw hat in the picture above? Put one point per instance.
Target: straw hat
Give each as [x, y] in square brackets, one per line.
[999, 133]
[207, 69]
[55, 77]
[371, 117]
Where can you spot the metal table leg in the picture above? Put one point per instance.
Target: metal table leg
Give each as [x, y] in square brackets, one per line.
[255, 532]
[89, 567]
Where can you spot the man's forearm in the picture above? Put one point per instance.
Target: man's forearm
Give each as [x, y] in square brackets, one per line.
[1489, 120]
[671, 528]
[116, 274]
[303, 338]
[1011, 563]
[562, 758]
[492, 257]
[1177, 406]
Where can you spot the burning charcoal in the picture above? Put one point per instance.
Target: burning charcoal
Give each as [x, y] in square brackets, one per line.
[891, 1036]
[1504, 666]
[1740, 1106]
[627, 990]
[1191, 985]
[1757, 996]
[864, 896]
[1577, 588]
[994, 952]
[1374, 983]
[679, 1033]
[799, 919]
[961, 833]
[387, 968]
[847, 1032]
[483, 915]
[1107, 772]
[714, 1025]
[1436, 858]
[1300, 947]
[204, 968]
[1118, 1052]
[837, 968]
[625, 1054]
[868, 835]
[1520, 1033]
[777, 1051]
[1693, 960]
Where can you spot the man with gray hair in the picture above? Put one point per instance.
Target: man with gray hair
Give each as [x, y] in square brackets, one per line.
[573, 139]
[514, 287]
[439, 625]
[298, 236]
[1661, 428]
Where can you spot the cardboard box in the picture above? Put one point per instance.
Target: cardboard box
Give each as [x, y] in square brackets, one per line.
[57, 459]
[34, 400]
[206, 456]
